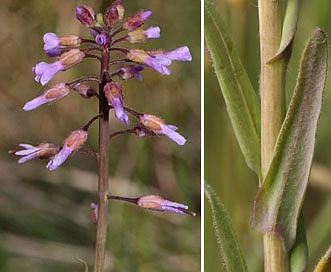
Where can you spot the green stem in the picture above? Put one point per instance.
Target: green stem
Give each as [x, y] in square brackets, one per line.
[101, 235]
[272, 113]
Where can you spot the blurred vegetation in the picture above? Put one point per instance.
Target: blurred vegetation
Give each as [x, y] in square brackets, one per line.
[225, 169]
[44, 217]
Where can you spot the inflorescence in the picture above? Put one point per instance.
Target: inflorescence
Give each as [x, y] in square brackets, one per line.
[108, 32]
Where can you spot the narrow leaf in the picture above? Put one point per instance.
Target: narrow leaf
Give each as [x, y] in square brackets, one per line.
[279, 200]
[324, 265]
[242, 102]
[227, 238]
[289, 28]
[299, 252]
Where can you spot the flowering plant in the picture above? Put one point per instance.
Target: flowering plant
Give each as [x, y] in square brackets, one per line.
[108, 32]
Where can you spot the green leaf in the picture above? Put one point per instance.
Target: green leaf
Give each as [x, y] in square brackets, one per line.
[242, 102]
[324, 265]
[289, 28]
[227, 238]
[299, 252]
[279, 200]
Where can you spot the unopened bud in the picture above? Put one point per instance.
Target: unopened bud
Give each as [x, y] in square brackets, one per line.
[70, 40]
[136, 20]
[85, 90]
[71, 58]
[114, 14]
[86, 15]
[130, 71]
[75, 140]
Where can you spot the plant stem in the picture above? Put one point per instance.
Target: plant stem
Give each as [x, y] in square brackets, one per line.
[272, 113]
[101, 235]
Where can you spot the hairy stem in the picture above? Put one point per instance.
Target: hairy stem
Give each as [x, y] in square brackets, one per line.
[101, 235]
[272, 113]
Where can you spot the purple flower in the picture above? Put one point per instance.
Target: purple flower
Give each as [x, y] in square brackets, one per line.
[136, 20]
[101, 39]
[72, 143]
[130, 71]
[155, 202]
[52, 44]
[55, 93]
[113, 92]
[159, 60]
[42, 151]
[159, 127]
[46, 71]
[140, 35]
[152, 32]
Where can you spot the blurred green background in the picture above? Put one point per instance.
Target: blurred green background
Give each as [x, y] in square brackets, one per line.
[225, 168]
[45, 217]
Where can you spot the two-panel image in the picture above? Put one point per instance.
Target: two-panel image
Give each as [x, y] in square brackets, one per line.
[171, 136]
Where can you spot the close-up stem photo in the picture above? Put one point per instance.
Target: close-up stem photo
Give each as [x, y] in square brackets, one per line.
[267, 101]
[100, 165]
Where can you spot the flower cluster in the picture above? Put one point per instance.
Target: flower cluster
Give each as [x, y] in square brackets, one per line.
[109, 31]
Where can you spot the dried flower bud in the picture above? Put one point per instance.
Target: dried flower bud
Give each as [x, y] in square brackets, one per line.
[113, 92]
[158, 126]
[42, 151]
[136, 20]
[55, 93]
[72, 143]
[86, 15]
[130, 71]
[114, 14]
[85, 90]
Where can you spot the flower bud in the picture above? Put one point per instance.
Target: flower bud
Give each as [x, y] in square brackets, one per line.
[130, 71]
[136, 20]
[85, 90]
[70, 40]
[71, 58]
[114, 14]
[86, 15]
